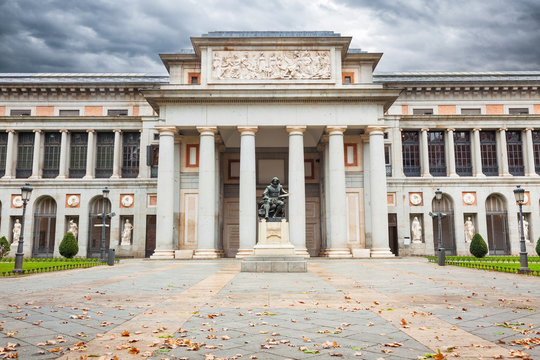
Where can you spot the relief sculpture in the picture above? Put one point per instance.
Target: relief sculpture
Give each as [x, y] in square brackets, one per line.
[271, 65]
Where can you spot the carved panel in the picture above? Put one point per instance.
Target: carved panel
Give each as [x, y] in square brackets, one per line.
[271, 65]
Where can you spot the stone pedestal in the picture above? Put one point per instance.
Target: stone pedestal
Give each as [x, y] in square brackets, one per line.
[274, 252]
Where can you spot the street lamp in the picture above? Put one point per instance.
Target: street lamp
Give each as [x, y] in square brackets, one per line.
[441, 256]
[519, 193]
[103, 221]
[26, 191]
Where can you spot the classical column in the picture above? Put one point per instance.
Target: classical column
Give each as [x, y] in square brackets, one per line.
[450, 152]
[337, 245]
[8, 174]
[529, 153]
[248, 196]
[397, 153]
[378, 193]
[424, 153]
[297, 190]
[37, 158]
[207, 247]
[165, 191]
[117, 157]
[503, 153]
[477, 154]
[90, 169]
[62, 166]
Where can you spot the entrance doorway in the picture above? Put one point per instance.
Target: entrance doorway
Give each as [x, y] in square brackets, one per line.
[497, 226]
[447, 225]
[94, 232]
[150, 235]
[44, 227]
[392, 234]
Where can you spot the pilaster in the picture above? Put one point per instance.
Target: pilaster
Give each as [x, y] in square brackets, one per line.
[37, 155]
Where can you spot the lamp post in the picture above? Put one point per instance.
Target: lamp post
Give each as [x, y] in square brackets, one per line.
[441, 256]
[519, 193]
[26, 191]
[103, 222]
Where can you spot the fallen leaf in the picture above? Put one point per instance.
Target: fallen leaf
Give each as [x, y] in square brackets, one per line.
[125, 333]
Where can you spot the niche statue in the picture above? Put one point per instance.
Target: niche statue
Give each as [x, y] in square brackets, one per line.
[272, 204]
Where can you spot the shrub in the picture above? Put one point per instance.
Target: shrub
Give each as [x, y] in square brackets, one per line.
[4, 247]
[538, 246]
[69, 247]
[478, 246]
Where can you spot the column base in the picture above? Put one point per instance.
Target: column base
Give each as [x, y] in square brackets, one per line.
[61, 177]
[242, 253]
[506, 175]
[382, 253]
[338, 253]
[480, 175]
[453, 175]
[8, 177]
[162, 255]
[34, 177]
[86, 177]
[115, 177]
[203, 254]
[301, 252]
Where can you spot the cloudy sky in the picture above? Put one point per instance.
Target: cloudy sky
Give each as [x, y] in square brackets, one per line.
[127, 35]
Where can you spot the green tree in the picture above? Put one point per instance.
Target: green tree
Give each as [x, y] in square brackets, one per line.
[4, 247]
[538, 246]
[69, 247]
[478, 246]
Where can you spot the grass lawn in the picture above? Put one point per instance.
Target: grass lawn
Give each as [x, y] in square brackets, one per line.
[532, 266]
[497, 262]
[32, 264]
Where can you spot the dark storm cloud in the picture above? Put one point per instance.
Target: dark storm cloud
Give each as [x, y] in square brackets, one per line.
[126, 36]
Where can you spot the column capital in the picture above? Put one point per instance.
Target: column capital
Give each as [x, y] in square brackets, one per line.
[207, 130]
[502, 129]
[37, 130]
[450, 129]
[296, 129]
[424, 129]
[247, 130]
[476, 129]
[117, 130]
[529, 129]
[375, 129]
[336, 129]
[166, 130]
[90, 130]
[64, 130]
[11, 131]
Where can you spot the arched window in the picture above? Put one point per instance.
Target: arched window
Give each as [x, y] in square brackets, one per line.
[447, 225]
[497, 225]
[44, 227]
[95, 232]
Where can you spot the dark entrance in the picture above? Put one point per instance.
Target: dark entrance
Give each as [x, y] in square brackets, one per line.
[447, 225]
[44, 228]
[150, 235]
[94, 232]
[392, 234]
[497, 226]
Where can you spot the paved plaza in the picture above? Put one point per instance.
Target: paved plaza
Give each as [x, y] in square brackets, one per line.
[358, 309]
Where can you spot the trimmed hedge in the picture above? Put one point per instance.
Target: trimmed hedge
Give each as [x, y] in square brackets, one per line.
[478, 246]
[68, 247]
[4, 247]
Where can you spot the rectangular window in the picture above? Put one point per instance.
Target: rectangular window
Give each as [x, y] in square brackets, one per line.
[25, 154]
[192, 155]
[471, 111]
[388, 159]
[104, 154]
[51, 155]
[488, 153]
[78, 149]
[130, 154]
[536, 150]
[437, 159]
[348, 78]
[350, 155]
[25, 112]
[3, 153]
[422, 111]
[462, 152]
[117, 112]
[152, 159]
[515, 153]
[68, 112]
[518, 111]
[194, 78]
[410, 143]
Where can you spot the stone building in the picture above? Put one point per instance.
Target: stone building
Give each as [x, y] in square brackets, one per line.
[187, 156]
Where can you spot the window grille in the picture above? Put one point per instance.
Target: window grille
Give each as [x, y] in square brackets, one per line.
[515, 153]
[488, 152]
[462, 151]
[3, 153]
[25, 112]
[130, 154]
[117, 112]
[422, 111]
[104, 154]
[25, 154]
[437, 161]
[78, 149]
[51, 155]
[388, 160]
[518, 111]
[411, 153]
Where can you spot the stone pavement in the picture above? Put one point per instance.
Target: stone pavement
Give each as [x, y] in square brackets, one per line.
[361, 309]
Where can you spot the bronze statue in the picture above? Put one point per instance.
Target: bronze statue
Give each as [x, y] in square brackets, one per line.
[272, 204]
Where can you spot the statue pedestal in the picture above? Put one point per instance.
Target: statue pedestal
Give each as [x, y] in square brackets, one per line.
[274, 252]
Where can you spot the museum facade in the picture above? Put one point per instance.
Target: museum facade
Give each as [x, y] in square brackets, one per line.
[187, 156]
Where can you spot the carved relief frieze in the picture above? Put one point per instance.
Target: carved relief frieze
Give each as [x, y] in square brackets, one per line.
[271, 65]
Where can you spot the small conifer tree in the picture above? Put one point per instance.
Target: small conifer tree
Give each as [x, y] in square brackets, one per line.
[69, 247]
[538, 246]
[4, 247]
[478, 246]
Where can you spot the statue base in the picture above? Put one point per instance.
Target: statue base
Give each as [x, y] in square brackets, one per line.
[274, 252]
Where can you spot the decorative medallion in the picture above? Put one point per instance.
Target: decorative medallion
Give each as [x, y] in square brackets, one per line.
[469, 198]
[526, 198]
[16, 201]
[127, 200]
[73, 200]
[415, 199]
